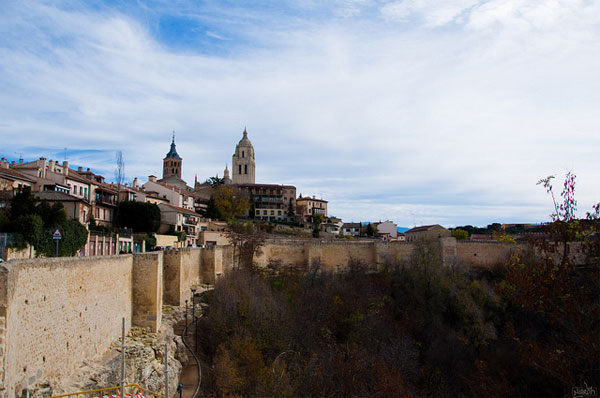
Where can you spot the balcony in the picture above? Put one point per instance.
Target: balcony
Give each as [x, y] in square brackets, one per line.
[190, 221]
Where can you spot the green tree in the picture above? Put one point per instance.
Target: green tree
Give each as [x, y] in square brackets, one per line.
[51, 215]
[74, 236]
[371, 230]
[23, 203]
[139, 216]
[4, 221]
[459, 234]
[212, 211]
[230, 202]
[291, 210]
[317, 220]
[215, 181]
[37, 224]
[31, 227]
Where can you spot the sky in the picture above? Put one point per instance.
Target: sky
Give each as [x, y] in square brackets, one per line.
[415, 111]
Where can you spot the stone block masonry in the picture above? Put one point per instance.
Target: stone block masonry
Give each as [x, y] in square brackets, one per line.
[181, 272]
[58, 313]
[147, 288]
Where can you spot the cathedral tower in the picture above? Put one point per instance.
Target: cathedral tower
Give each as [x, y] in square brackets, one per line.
[172, 162]
[242, 163]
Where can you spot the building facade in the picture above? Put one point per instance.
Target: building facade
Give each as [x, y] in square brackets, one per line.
[307, 208]
[271, 202]
[432, 232]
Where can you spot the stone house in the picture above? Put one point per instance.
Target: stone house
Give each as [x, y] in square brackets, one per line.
[432, 232]
[307, 208]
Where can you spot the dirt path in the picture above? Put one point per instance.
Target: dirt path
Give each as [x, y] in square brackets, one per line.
[189, 373]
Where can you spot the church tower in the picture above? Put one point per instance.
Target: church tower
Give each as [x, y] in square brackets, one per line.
[226, 177]
[172, 162]
[242, 163]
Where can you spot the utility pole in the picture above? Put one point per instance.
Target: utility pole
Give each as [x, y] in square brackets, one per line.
[194, 318]
[123, 358]
[166, 370]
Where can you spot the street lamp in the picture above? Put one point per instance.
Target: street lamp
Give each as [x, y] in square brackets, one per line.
[194, 317]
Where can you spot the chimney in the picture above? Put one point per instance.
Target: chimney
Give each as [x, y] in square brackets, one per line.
[88, 170]
[80, 169]
[135, 183]
[152, 178]
[65, 168]
[51, 165]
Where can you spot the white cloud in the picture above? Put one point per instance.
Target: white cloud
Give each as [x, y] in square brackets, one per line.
[452, 127]
[434, 13]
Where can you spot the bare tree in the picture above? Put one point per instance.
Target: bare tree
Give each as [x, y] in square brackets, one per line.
[120, 174]
[247, 241]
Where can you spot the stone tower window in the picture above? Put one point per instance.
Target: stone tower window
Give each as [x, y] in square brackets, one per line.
[240, 169]
[245, 169]
[243, 154]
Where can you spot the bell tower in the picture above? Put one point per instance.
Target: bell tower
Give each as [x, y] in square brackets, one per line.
[172, 162]
[242, 164]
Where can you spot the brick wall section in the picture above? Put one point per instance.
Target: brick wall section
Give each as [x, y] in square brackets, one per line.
[147, 286]
[60, 312]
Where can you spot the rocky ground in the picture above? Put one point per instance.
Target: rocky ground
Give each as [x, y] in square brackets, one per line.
[144, 362]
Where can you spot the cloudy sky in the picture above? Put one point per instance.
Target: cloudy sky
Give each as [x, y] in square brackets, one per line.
[417, 111]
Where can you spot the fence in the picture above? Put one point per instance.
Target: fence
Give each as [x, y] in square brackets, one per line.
[131, 390]
[9, 240]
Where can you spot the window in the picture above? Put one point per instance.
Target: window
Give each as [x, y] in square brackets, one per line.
[245, 169]
[265, 212]
[278, 212]
[240, 169]
[258, 212]
[272, 212]
[80, 190]
[243, 154]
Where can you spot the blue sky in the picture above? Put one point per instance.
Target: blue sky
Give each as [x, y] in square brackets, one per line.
[416, 111]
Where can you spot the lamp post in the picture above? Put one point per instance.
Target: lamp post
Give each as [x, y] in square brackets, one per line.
[194, 316]
[186, 311]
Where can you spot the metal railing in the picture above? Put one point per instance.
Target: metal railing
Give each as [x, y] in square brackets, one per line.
[131, 390]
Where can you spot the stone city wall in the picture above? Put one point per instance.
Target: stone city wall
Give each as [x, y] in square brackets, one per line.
[181, 271]
[485, 253]
[335, 254]
[148, 290]
[59, 312]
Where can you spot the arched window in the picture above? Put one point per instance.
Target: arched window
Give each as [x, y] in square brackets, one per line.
[242, 153]
[240, 169]
[245, 169]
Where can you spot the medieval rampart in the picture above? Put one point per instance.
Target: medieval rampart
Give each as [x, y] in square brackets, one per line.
[57, 312]
[336, 254]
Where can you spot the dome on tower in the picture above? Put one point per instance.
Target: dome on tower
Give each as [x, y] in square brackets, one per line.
[245, 141]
